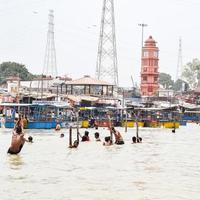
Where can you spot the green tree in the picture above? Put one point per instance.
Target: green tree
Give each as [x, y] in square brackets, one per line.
[180, 85]
[166, 80]
[14, 69]
[191, 73]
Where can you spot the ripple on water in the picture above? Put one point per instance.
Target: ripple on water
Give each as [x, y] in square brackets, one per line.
[165, 166]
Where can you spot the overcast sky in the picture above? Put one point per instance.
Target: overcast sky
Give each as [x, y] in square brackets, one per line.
[24, 25]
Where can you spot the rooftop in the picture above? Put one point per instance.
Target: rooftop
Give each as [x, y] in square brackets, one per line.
[87, 80]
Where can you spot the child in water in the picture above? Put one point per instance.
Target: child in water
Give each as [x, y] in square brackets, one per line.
[107, 142]
[136, 140]
[85, 138]
[96, 135]
[58, 127]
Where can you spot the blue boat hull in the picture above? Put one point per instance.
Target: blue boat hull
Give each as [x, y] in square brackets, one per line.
[35, 125]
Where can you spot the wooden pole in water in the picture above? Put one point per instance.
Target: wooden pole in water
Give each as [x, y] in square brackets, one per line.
[70, 136]
[77, 127]
[174, 130]
[137, 129]
[126, 126]
[110, 127]
[111, 136]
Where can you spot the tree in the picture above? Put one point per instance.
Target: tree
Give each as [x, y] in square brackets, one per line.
[166, 80]
[14, 69]
[180, 85]
[191, 73]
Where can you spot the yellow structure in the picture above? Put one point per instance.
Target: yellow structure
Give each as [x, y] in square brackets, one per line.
[171, 124]
[85, 124]
[131, 124]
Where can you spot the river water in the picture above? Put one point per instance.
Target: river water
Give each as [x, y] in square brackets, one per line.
[166, 166]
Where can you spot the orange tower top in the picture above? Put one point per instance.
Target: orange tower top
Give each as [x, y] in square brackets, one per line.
[149, 68]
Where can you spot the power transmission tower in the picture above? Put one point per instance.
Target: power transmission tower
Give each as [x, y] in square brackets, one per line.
[106, 67]
[50, 67]
[179, 64]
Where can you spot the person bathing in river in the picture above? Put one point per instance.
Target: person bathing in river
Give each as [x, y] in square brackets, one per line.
[3, 121]
[118, 137]
[108, 141]
[16, 143]
[96, 135]
[18, 139]
[58, 127]
[25, 122]
[30, 139]
[136, 140]
[86, 137]
[19, 126]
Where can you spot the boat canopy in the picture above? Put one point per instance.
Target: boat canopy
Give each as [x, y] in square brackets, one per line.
[56, 104]
[15, 104]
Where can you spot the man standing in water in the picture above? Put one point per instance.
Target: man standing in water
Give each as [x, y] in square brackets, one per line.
[3, 121]
[118, 137]
[17, 143]
[18, 139]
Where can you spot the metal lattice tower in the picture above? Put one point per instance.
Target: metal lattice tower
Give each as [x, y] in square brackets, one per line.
[50, 67]
[106, 67]
[179, 64]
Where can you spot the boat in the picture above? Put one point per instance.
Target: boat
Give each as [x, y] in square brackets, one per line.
[40, 114]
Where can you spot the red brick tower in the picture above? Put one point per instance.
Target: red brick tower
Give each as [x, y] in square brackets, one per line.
[149, 69]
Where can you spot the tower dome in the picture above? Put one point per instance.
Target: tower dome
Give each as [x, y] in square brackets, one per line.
[150, 42]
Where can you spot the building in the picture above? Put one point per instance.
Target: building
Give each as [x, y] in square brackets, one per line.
[13, 84]
[149, 68]
[89, 86]
[165, 93]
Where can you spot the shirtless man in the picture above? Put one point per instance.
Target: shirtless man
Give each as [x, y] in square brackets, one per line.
[17, 143]
[85, 137]
[19, 126]
[118, 137]
[18, 139]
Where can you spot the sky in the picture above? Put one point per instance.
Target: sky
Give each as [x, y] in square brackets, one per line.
[24, 25]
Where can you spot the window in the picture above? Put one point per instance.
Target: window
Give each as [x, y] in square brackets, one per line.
[155, 63]
[155, 79]
[146, 53]
[144, 62]
[151, 63]
[144, 78]
[145, 69]
[150, 89]
[155, 69]
[155, 53]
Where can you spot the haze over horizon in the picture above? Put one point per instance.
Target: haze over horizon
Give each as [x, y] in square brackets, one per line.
[24, 26]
